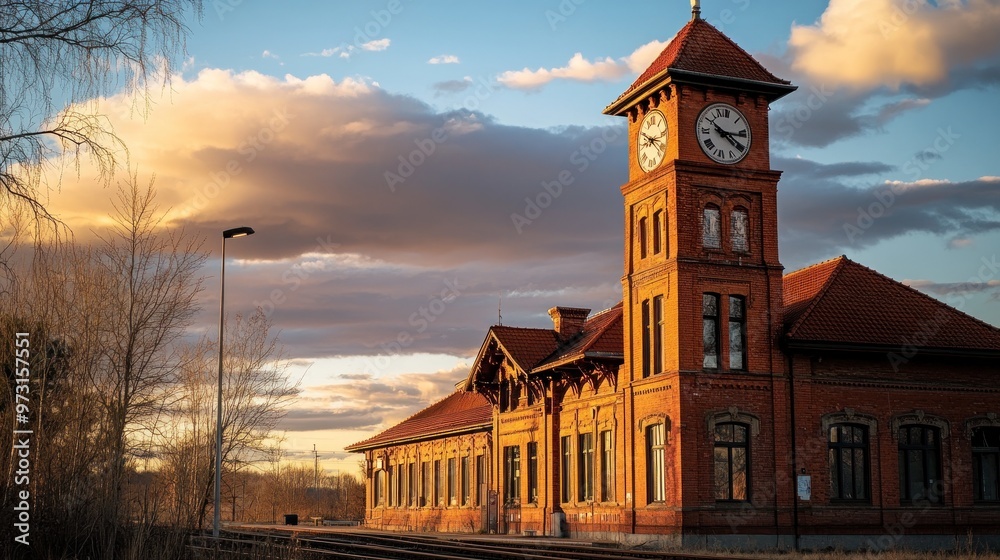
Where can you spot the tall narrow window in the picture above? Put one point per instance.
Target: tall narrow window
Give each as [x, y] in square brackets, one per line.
[919, 464]
[607, 466]
[657, 232]
[379, 484]
[466, 486]
[657, 334]
[656, 488]
[512, 473]
[711, 229]
[986, 464]
[411, 481]
[438, 495]
[566, 470]
[400, 492]
[848, 454]
[646, 329]
[737, 333]
[480, 480]
[738, 228]
[452, 483]
[533, 472]
[425, 484]
[390, 486]
[642, 238]
[710, 330]
[585, 468]
[732, 462]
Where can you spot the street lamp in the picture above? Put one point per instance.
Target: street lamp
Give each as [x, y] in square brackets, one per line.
[227, 234]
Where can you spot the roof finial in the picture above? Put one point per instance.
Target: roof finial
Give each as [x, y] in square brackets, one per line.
[695, 9]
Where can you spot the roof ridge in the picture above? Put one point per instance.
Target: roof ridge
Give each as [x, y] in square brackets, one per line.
[814, 265]
[822, 291]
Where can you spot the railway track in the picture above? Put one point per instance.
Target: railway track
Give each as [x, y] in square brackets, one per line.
[364, 545]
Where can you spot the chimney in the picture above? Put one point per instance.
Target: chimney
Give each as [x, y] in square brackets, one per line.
[568, 321]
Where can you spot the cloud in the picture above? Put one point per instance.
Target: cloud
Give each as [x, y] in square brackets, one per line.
[949, 288]
[345, 263]
[869, 44]
[444, 59]
[582, 70]
[452, 86]
[822, 213]
[345, 51]
[368, 403]
[269, 54]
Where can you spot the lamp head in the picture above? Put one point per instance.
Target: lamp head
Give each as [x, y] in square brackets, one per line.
[237, 232]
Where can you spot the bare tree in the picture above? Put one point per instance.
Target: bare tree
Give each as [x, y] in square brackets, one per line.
[55, 55]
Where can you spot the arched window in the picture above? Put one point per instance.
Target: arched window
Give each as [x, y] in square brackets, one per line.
[379, 487]
[919, 464]
[739, 226]
[656, 457]
[848, 452]
[732, 462]
[711, 228]
[657, 232]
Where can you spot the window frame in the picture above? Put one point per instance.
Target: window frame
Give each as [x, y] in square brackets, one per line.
[732, 230]
[643, 248]
[657, 334]
[835, 465]
[606, 440]
[716, 320]
[566, 470]
[706, 240]
[742, 323]
[657, 232]
[585, 467]
[930, 455]
[646, 316]
[512, 473]
[532, 472]
[979, 453]
[656, 463]
[729, 446]
[377, 482]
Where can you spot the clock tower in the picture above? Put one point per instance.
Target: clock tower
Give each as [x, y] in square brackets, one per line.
[702, 288]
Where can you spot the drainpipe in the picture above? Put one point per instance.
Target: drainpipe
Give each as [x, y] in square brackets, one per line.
[794, 477]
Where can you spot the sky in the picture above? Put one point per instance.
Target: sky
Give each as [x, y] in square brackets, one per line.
[383, 151]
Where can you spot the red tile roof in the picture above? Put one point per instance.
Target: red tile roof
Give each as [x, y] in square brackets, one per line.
[526, 346]
[842, 302]
[459, 413]
[701, 48]
[602, 336]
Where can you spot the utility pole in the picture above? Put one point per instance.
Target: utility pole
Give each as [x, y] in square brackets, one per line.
[316, 470]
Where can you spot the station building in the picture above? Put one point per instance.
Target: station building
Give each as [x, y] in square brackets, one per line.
[722, 402]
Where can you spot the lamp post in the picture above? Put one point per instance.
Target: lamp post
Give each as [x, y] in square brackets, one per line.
[227, 234]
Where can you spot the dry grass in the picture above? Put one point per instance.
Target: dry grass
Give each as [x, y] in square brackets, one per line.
[889, 555]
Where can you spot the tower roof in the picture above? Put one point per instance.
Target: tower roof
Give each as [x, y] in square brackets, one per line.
[700, 53]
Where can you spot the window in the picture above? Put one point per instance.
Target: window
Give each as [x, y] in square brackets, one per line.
[411, 481]
[737, 333]
[585, 466]
[379, 487]
[710, 330]
[607, 466]
[425, 484]
[711, 231]
[656, 490]
[400, 493]
[848, 452]
[986, 464]
[732, 462]
[466, 488]
[919, 464]
[512, 473]
[567, 463]
[738, 231]
[438, 496]
[452, 483]
[642, 238]
[533, 472]
[390, 486]
[657, 334]
[645, 337]
[480, 480]
[657, 232]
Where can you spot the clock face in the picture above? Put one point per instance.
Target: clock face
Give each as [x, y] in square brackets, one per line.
[651, 142]
[723, 133]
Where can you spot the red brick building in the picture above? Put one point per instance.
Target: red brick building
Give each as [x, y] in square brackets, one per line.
[722, 402]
